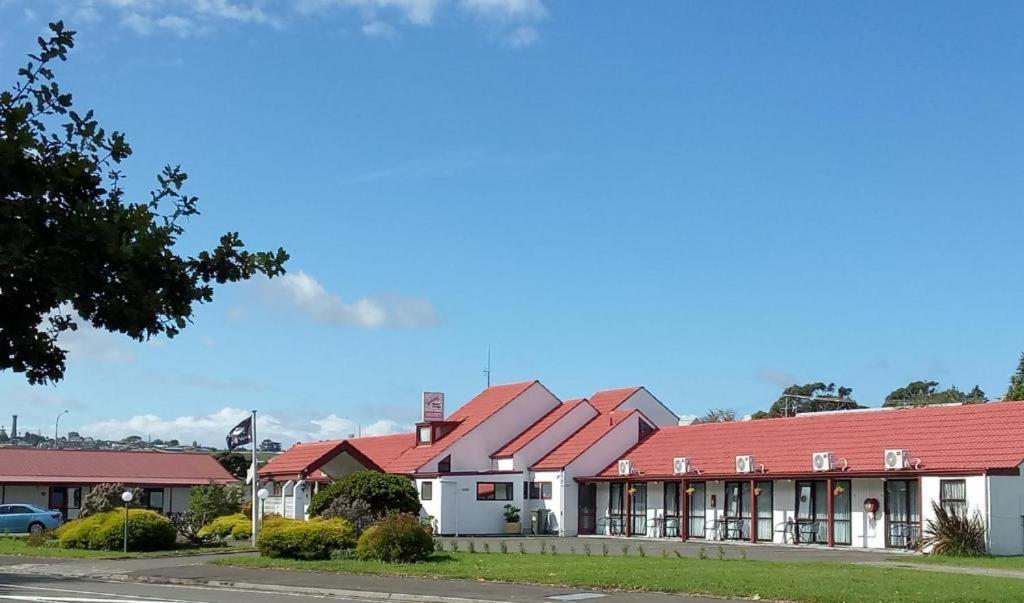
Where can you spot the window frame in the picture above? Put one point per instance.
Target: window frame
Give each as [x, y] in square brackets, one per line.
[943, 501]
[497, 486]
[535, 490]
[426, 490]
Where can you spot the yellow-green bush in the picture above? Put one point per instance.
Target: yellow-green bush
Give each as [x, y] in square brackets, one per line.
[298, 539]
[147, 531]
[396, 538]
[227, 525]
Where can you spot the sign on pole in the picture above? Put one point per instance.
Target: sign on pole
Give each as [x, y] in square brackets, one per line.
[433, 406]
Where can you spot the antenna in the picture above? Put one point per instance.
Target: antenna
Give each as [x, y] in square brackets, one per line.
[487, 369]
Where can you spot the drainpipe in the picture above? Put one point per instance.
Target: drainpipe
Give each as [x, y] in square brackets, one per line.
[561, 519]
[988, 513]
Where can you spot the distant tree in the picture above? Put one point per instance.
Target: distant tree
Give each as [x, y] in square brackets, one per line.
[3, 435]
[72, 245]
[717, 415]
[810, 397]
[923, 393]
[1016, 391]
[270, 446]
[235, 463]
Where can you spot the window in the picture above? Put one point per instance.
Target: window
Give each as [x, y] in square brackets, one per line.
[494, 490]
[645, 430]
[425, 435]
[445, 465]
[953, 496]
[153, 498]
[538, 491]
[427, 491]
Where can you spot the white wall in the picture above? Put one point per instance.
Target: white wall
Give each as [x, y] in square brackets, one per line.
[29, 495]
[1006, 524]
[457, 510]
[553, 435]
[472, 451]
[652, 407]
[555, 505]
[341, 465]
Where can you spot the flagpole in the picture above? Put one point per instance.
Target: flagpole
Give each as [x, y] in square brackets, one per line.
[255, 482]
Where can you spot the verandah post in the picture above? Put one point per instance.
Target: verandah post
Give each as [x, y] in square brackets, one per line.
[684, 511]
[753, 511]
[831, 511]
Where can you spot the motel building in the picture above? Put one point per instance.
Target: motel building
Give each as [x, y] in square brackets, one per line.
[61, 479]
[620, 464]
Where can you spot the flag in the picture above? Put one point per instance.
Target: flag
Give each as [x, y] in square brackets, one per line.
[241, 434]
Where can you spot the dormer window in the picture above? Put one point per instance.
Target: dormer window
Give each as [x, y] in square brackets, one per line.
[645, 429]
[431, 432]
[425, 433]
[445, 465]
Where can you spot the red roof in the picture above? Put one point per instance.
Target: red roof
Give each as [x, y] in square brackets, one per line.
[87, 467]
[469, 416]
[579, 442]
[538, 428]
[610, 399]
[975, 438]
[302, 460]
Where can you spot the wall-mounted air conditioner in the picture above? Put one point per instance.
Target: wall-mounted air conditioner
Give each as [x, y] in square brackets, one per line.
[625, 467]
[822, 461]
[896, 459]
[680, 465]
[745, 464]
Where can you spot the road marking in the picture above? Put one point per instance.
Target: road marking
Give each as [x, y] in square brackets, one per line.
[50, 599]
[97, 597]
[577, 596]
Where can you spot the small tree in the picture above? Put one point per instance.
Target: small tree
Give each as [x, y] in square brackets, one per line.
[1016, 390]
[235, 463]
[384, 493]
[357, 511]
[107, 497]
[215, 500]
[189, 526]
[955, 534]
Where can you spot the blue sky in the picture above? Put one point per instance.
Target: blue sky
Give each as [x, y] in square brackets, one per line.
[712, 199]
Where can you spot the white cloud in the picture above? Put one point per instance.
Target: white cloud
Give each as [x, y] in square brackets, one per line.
[304, 293]
[211, 429]
[94, 344]
[513, 20]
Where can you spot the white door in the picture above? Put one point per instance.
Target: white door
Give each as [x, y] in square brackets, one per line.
[449, 506]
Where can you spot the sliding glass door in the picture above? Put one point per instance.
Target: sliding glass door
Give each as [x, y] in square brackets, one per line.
[616, 508]
[902, 516]
[698, 508]
[671, 498]
[765, 502]
[639, 509]
[737, 511]
[842, 531]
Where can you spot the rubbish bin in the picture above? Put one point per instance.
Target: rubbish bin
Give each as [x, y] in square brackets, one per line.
[540, 521]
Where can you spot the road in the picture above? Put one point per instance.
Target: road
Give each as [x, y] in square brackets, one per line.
[75, 590]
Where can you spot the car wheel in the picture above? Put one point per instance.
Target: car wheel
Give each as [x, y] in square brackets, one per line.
[35, 528]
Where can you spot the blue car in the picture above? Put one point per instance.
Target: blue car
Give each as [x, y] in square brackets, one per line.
[21, 519]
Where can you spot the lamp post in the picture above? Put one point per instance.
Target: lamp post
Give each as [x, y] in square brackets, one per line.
[262, 494]
[126, 496]
[56, 426]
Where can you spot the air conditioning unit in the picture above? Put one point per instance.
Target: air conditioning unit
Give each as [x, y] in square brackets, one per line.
[896, 459]
[680, 465]
[822, 461]
[625, 467]
[744, 464]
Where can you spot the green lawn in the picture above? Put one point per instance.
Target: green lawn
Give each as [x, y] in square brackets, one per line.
[801, 581]
[19, 546]
[1010, 563]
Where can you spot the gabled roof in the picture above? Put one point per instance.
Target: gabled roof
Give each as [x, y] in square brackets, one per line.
[579, 442]
[969, 438]
[469, 416]
[610, 399]
[304, 459]
[538, 428]
[89, 467]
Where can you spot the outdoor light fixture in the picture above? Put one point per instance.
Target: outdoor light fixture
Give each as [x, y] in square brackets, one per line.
[126, 496]
[263, 494]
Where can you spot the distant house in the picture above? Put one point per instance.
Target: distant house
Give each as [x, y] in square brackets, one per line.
[60, 479]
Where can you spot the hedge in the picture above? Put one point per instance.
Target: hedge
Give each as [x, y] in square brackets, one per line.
[237, 526]
[298, 539]
[147, 531]
[397, 538]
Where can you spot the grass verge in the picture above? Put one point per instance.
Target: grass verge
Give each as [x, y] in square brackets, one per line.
[19, 547]
[1010, 563]
[800, 581]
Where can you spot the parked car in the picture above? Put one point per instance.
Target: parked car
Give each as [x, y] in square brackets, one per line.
[19, 519]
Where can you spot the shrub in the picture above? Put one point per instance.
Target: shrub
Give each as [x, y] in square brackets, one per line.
[147, 531]
[225, 526]
[242, 531]
[190, 526]
[397, 538]
[215, 500]
[954, 534]
[298, 539]
[107, 497]
[38, 539]
[357, 511]
[383, 492]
